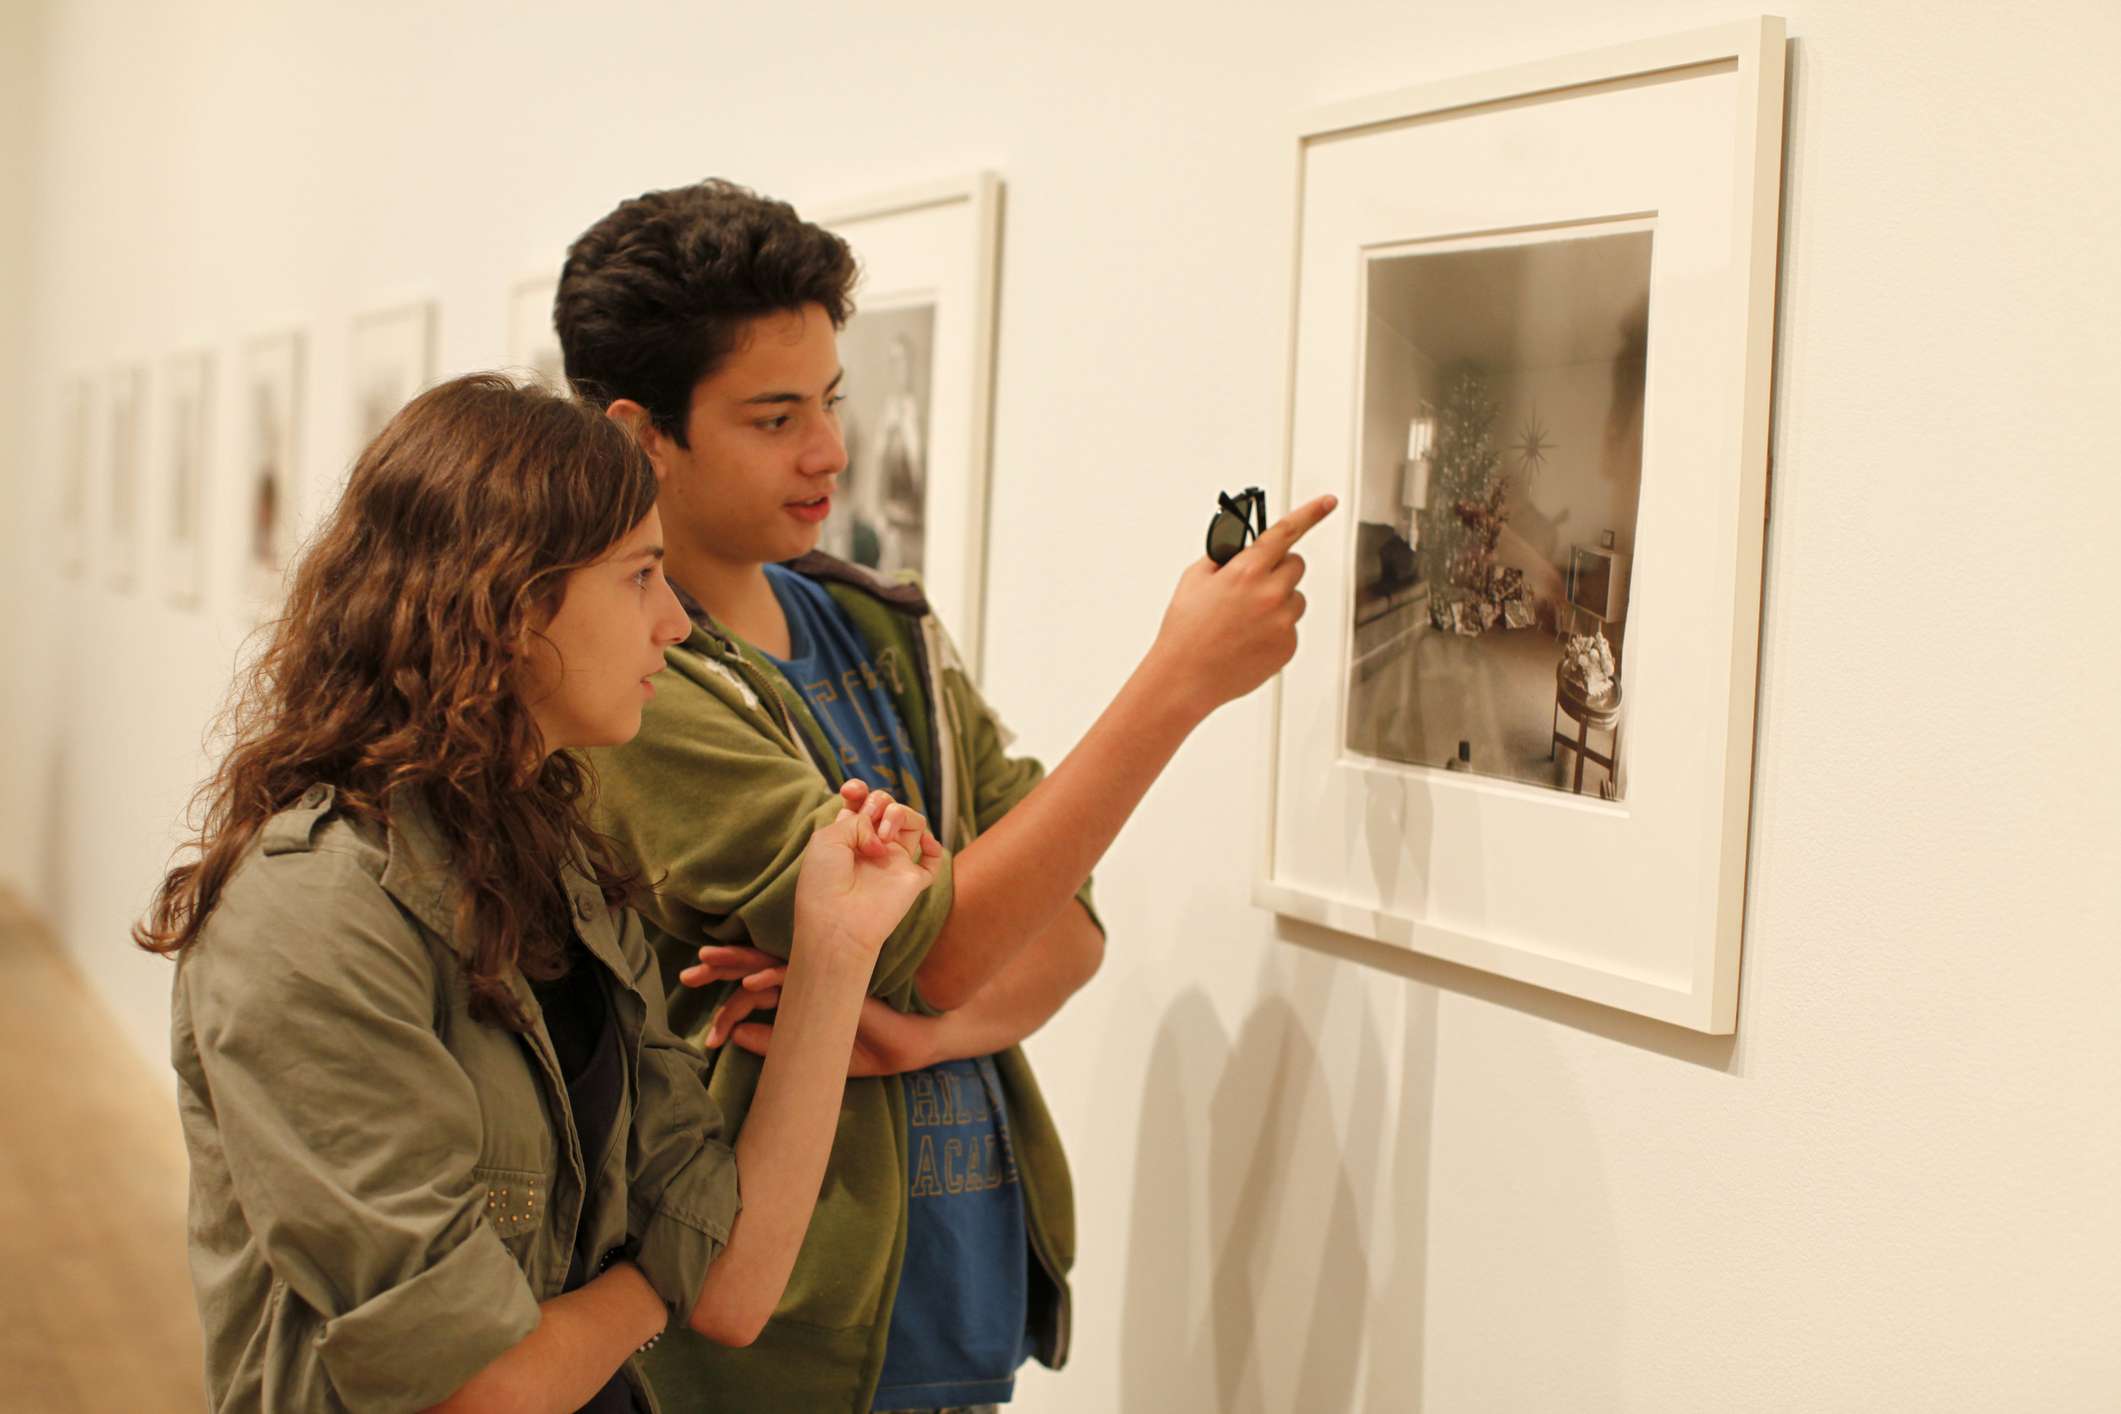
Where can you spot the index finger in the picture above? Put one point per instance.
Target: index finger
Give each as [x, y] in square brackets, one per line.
[1281, 537]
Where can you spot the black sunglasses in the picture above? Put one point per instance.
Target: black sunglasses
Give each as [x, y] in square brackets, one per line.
[1243, 518]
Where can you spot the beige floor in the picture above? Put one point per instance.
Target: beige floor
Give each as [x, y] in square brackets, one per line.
[1494, 692]
[96, 1306]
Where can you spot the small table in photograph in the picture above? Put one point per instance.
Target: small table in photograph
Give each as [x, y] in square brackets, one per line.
[1589, 714]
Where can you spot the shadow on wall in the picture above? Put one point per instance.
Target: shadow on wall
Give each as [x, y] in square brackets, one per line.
[1399, 1298]
[1721, 1053]
[1272, 1264]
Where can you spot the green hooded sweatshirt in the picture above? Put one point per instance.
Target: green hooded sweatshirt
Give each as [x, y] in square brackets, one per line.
[716, 798]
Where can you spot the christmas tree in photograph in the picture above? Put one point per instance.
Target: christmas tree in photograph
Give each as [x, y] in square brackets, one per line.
[1468, 505]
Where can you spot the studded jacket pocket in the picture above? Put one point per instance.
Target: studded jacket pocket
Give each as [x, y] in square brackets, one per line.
[515, 1205]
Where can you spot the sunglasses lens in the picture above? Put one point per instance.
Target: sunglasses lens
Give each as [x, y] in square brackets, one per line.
[1226, 536]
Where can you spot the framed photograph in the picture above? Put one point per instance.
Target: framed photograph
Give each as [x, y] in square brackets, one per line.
[76, 412]
[121, 452]
[268, 433]
[1531, 347]
[188, 400]
[533, 344]
[919, 359]
[393, 358]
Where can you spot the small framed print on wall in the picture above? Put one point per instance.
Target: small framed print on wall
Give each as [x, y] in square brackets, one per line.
[123, 541]
[919, 361]
[268, 439]
[188, 389]
[533, 344]
[1531, 349]
[76, 412]
[393, 359]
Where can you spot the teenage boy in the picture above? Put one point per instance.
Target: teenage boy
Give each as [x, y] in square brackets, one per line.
[936, 1263]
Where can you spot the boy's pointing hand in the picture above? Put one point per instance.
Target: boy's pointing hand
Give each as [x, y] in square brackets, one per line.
[1231, 628]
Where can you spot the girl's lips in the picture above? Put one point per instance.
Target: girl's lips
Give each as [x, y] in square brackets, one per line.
[811, 511]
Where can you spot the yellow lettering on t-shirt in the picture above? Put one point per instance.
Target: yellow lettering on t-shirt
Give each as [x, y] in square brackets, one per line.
[887, 663]
[921, 1109]
[925, 1182]
[851, 680]
[972, 1100]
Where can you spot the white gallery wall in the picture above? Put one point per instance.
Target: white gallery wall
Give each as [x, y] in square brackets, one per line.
[1313, 1175]
[21, 424]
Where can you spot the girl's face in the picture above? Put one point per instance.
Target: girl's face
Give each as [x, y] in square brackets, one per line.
[587, 672]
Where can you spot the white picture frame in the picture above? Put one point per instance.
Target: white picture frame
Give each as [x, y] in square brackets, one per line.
[271, 404]
[929, 259]
[1635, 903]
[124, 504]
[77, 406]
[534, 355]
[393, 359]
[187, 480]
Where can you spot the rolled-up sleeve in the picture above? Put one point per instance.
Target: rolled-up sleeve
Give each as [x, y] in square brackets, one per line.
[682, 1197]
[485, 1308]
[349, 1131]
[729, 874]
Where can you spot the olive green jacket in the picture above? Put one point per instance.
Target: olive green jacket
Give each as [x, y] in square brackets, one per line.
[383, 1189]
[717, 797]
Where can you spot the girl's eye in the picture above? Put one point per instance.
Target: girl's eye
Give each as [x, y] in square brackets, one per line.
[774, 424]
[643, 576]
[834, 401]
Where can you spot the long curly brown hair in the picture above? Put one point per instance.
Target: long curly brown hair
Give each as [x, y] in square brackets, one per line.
[391, 670]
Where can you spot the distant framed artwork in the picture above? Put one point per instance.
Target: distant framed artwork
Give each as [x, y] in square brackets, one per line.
[123, 408]
[1531, 345]
[188, 389]
[76, 413]
[268, 438]
[919, 362]
[393, 358]
[533, 343]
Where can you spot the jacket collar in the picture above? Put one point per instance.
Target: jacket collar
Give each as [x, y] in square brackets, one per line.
[903, 595]
[418, 873]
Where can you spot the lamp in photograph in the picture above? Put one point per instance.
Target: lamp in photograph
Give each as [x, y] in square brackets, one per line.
[1414, 472]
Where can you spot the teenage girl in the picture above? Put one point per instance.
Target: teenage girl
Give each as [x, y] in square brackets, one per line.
[444, 1153]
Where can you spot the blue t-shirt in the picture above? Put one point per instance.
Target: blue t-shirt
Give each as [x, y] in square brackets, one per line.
[958, 1326]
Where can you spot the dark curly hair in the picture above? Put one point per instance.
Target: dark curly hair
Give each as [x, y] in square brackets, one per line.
[656, 295]
[391, 669]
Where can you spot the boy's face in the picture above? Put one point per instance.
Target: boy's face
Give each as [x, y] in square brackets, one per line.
[755, 483]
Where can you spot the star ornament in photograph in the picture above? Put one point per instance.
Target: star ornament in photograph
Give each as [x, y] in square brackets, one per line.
[1532, 446]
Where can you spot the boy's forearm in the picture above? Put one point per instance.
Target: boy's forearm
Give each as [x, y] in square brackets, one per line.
[1016, 877]
[1025, 993]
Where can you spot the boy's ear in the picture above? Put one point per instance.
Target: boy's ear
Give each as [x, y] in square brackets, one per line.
[635, 419]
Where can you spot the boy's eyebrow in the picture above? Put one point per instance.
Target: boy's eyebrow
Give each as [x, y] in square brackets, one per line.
[767, 399]
[649, 552]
